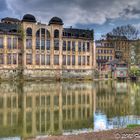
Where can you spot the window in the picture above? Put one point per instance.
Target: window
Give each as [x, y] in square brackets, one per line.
[9, 45]
[88, 46]
[73, 46]
[29, 43]
[64, 45]
[56, 44]
[9, 58]
[48, 44]
[37, 59]
[1, 58]
[56, 59]
[42, 59]
[29, 32]
[84, 47]
[1, 42]
[79, 60]
[73, 60]
[68, 60]
[69, 45]
[47, 34]
[88, 60]
[37, 43]
[42, 44]
[28, 59]
[47, 59]
[56, 33]
[84, 60]
[79, 46]
[14, 43]
[64, 59]
[14, 58]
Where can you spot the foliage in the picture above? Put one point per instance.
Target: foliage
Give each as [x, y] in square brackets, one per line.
[133, 125]
[134, 71]
[129, 31]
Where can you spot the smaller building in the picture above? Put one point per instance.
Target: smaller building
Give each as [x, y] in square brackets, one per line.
[117, 68]
[104, 53]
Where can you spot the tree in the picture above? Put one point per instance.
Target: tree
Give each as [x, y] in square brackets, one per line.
[129, 31]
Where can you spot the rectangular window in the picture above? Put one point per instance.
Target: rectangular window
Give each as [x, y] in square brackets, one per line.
[28, 59]
[79, 60]
[84, 60]
[14, 43]
[69, 45]
[56, 59]
[73, 46]
[79, 46]
[48, 44]
[14, 58]
[1, 58]
[88, 46]
[64, 59]
[9, 58]
[68, 60]
[64, 45]
[42, 59]
[84, 47]
[88, 60]
[37, 59]
[1, 42]
[73, 60]
[56, 44]
[42, 44]
[9, 43]
[38, 43]
[48, 60]
[29, 43]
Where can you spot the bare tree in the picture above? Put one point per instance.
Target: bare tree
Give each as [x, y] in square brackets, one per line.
[129, 31]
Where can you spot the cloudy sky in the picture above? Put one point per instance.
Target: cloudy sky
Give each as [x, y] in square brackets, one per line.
[100, 15]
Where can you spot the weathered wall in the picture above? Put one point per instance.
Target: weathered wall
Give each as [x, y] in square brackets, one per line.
[43, 74]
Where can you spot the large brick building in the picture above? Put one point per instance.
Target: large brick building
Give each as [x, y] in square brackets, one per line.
[33, 49]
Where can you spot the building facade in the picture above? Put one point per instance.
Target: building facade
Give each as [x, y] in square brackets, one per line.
[112, 47]
[36, 50]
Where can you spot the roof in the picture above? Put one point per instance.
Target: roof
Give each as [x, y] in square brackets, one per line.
[56, 20]
[6, 27]
[78, 33]
[29, 18]
[10, 19]
[115, 37]
[115, 61]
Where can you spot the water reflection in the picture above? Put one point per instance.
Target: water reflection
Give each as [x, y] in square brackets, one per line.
[31, 109]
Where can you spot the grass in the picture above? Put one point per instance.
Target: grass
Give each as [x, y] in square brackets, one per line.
[133, 125]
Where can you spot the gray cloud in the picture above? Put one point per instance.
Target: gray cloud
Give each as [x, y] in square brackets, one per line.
[3, 5]
[76, 11]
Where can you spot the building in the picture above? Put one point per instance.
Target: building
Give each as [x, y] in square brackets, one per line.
[104, 53]
[34, 50]
[110, 48]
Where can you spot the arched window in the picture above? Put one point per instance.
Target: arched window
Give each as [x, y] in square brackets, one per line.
[28, 38]
[48, 42]
[47, 34]
[28, 32]
[38, 39]
[56, 33]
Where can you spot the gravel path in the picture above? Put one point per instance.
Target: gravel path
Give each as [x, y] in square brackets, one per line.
[121, 134]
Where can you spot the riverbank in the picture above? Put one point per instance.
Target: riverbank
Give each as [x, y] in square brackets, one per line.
[117, 134]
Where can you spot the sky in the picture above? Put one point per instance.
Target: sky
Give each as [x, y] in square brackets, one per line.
[100, 15]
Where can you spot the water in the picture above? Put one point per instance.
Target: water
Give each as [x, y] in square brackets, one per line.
[34, 109]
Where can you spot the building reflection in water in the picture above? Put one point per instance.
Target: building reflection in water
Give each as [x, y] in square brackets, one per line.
[31, 109]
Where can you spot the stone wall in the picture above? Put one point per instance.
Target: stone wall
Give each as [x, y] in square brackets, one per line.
[43, 74]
